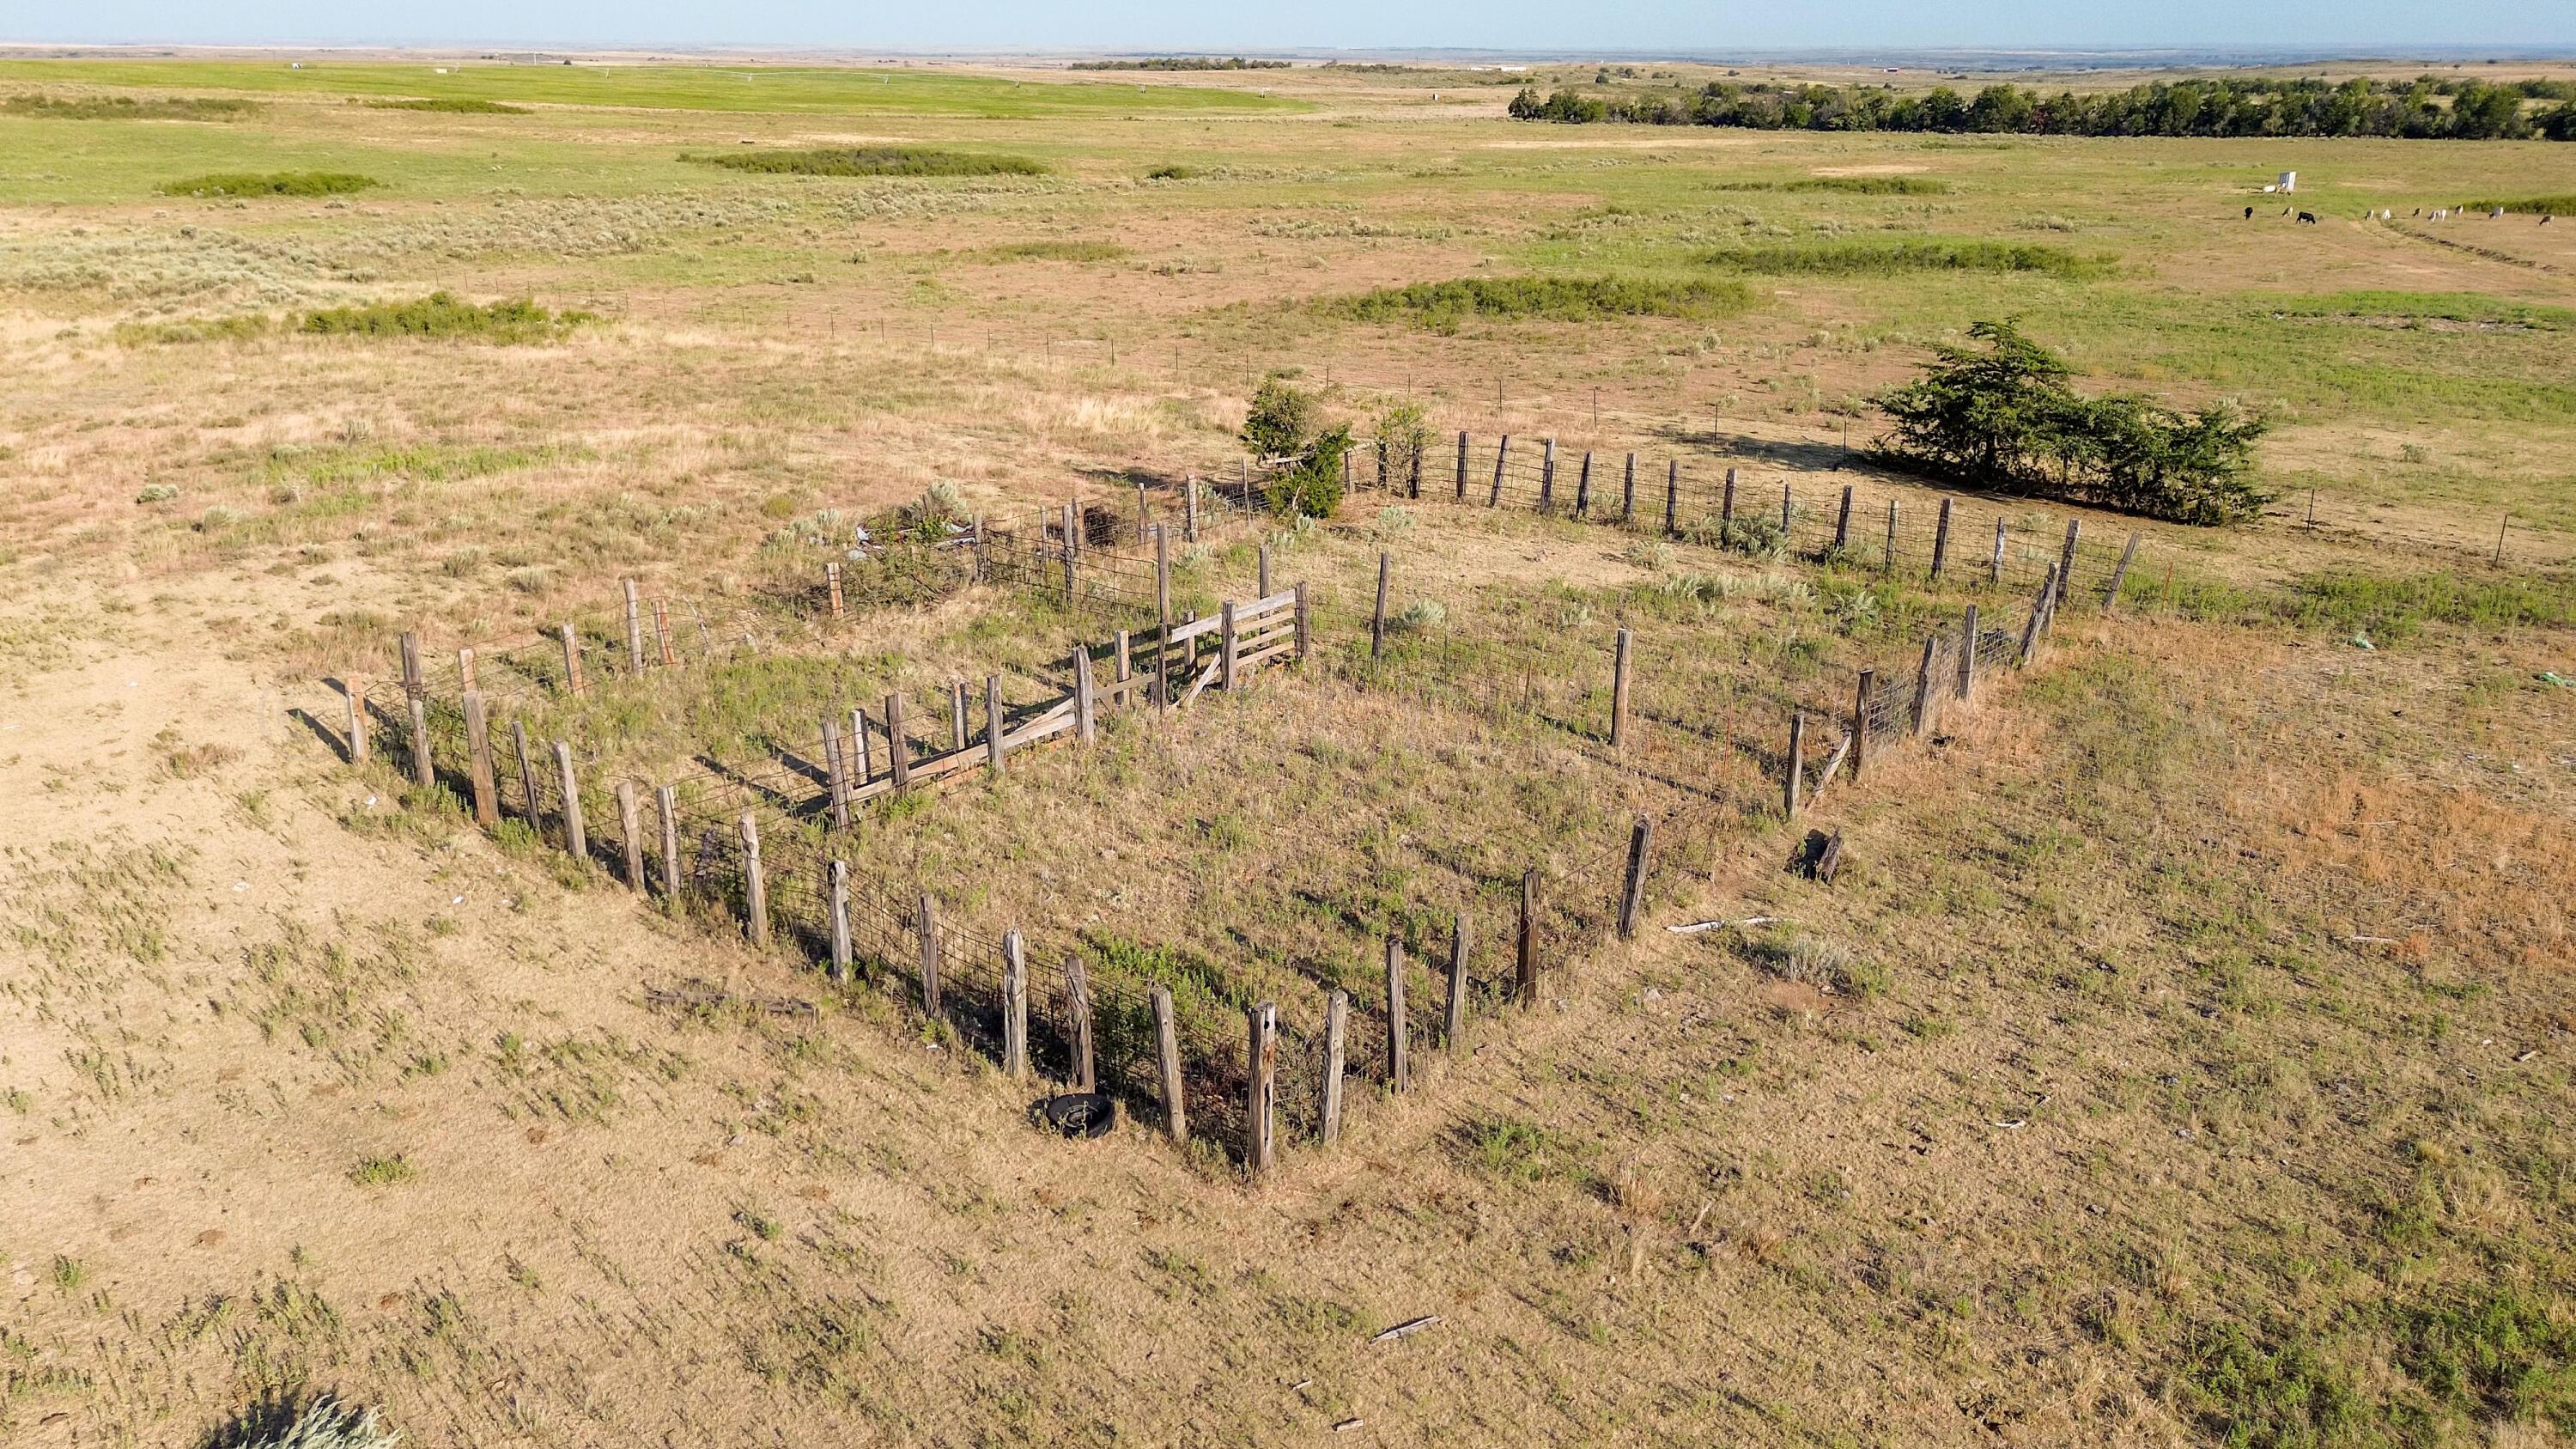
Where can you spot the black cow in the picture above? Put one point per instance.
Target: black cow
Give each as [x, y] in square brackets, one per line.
[2309, 217]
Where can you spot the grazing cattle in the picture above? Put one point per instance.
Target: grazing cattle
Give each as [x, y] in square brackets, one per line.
[2249, 213]
[2544, 221]
[2309, 217]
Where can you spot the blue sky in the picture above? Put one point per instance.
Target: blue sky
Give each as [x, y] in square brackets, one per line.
[1529, 25]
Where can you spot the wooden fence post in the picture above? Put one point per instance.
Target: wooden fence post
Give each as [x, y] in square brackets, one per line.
[1923, 686]
[1337, 1017]
[1377, 620]
[1084, 720]
[1072, 553]
[630, 834]
[1262, 591]
[1305, 630]
[662, 632]
[1968, 655]
[957, 711]
[1502, 451]
[1793, 780]
[1583, 487]
[1190, 510]
[1860, 721]
[1995, 565]
[354, 690]
[1462, 465]
[1225, 645]
[634, 630]
[1726, 510]
[1672, 497]
[2065, 569]
[1632, 900]
[465, 671]
[926, 925]
[832, 586]
[1628, 492]
[1399, 1071]
[993, 742]
[1261, 1108]
[860, 751]
[1842, 521]
[1941, 541]
[1889, 565]
[1144, 519]
[1788, 514]
[836, 777]
[2120, 575]
[572, 661]
[1167, 1057]
[1619, 691]
[1547, 475]
[478, 755]
[2038, 615]
[576, 840]
[898, 744]
[1453, 1034]
[416, 695]
[527, 774]
[1125, 665]
[755, 886]
[666, 803]
[1525, 967]
[1015, 1006]
[837, 883]
[1077, 1004]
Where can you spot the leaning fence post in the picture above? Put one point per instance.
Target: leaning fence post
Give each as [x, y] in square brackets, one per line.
[1337, 1016]
[994, 745]
[1377, 620]
[1502, 451]
[356, 691]
[898, 743]
[465, 671]
[755, 887]
[1860, 721]
[1399, 1072]
[527, 774]
[666, 803]
[634, 630]
[1842, 521]
[2120, 575]
[576, 840]
[1889, 565]
[1167, 1057]
[1525, 968]
[1077, 1005]
[1015, 1006]
[1262, 1105]
[1941, 541]
[1083, 726]
[478, 755]
[1923, 686]
[630, 834]
[1619, 692]
[926, 925]
[838, 885]
[572, 661]
[1453, 1035]
[662, 632]
[1583, 487]
[1794, 778]
[2066, 563]
[1968, 654]
[2038, 616]
[1632, 900]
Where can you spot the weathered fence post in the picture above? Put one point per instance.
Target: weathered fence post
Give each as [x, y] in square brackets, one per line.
[1453, 1033]
[1619, 691]
[832, 586]
[662, 633]
[2065, 568]
[2038, 616]
[837, 886]
[1144, 518]
[898, 744]
[1860, 721]
[1262, 1106]
[1888, 566]
[1941, 541]
[926, 926]
[1337, 1018]
[1842, 521]
[465, 671]
[993, 741]
[634, 630]
[1262, 590]
[1072, 553]
[1788, 515]
[836, 776]
[1726, 511]
[1525, 966]
[1968, 655]
[1502, 451]
[1399, 1066]
[1377, 620]
[478, 755]
[1084, 724]
[1225, 645]
[527, 774]
[1305, 630]
[1547, 475]
[666, 804]
[1995, 565]
[1162, 619]
[1628, 492]
[576, 840]
[1672, 497]
[572, 661]
[416, 695]
[1793, 780]
[1462, 465]
[957, 709]
[1923, 700]
[630, 835]
[1583, 488]
[1167, 1057]
[1632, 899]
[1077, 1005]
[861, 751]
[354, 690]
[1190, 510]
[2120, 575]
[1124, 685]
[1015, 1006]
[755, 889]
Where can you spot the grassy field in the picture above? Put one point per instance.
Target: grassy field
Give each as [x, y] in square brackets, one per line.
[2181, 1056]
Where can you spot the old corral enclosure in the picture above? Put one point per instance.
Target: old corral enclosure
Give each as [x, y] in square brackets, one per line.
[618, 671]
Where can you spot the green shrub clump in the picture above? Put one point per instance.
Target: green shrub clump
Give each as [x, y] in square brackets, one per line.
[1567, 299]
[2004, 417]
[1171, 171]
[1285, 425]
[2562, 204]
[441, 314]
[127, 108]
[1896, 258]
[273, 183]
[452, 105]
[1851, 185]
[871, 161]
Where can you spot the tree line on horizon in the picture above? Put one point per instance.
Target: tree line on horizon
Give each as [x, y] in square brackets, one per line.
[2216, 107]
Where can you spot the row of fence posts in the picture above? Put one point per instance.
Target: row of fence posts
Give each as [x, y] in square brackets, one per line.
[1260, 1141]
